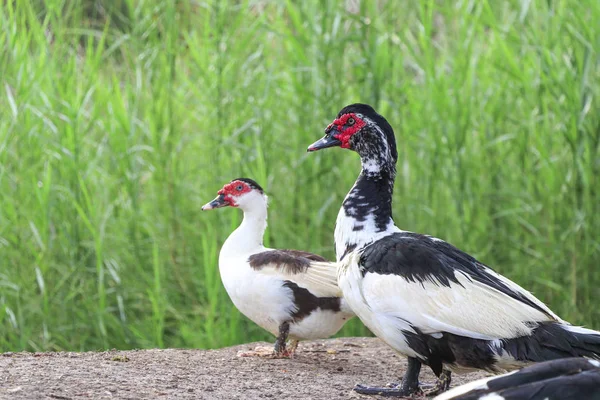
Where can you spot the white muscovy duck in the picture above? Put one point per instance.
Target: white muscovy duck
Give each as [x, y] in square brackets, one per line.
[430, 301]
[563, 379]
[271, 287]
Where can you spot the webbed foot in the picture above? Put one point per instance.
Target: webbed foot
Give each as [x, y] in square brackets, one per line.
[442, 384]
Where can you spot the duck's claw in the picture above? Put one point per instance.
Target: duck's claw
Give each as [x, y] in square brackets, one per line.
[442, 384]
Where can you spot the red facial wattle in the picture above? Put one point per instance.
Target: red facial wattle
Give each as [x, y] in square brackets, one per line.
[232, 190]
[345, 131]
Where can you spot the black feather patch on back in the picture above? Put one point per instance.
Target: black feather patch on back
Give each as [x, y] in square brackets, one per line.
[419, 258]
[290, 261]
[306, 302]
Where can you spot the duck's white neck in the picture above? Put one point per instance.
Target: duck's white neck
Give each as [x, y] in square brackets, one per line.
[248, 237]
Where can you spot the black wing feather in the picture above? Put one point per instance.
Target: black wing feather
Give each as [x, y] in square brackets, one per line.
[419, 258]
[290, 261]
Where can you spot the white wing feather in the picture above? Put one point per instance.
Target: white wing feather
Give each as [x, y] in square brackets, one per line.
[473, 309]
[320, 277]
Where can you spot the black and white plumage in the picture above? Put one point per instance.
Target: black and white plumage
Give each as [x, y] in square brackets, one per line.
[563, 379]
[280, 290]
[424, 297]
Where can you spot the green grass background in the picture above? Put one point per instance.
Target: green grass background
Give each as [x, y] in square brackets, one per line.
[119, 120]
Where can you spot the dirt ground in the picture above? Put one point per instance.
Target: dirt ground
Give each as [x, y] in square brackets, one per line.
[323, 369]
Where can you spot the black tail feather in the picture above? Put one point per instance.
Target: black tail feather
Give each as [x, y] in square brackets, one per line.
[550, 341]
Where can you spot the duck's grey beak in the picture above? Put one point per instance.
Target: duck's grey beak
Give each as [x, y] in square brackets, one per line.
[326, 141]
[218, 202]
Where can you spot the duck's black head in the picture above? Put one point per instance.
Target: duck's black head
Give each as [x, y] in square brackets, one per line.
[360, 128]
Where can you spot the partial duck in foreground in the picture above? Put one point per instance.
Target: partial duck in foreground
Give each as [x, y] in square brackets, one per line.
[272, 287]
[430, 301]
[563, 379]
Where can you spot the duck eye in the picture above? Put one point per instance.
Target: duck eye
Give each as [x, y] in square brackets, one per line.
[239, 188]
[350, 121]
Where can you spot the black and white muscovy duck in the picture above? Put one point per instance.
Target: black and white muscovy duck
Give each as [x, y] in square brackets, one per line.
[563, 379]
[430, 301]
[271, 287]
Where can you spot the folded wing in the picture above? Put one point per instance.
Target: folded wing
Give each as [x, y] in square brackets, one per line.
[308, 270]
[434, 287]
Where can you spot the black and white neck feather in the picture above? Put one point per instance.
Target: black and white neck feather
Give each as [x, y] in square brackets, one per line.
[366, 212]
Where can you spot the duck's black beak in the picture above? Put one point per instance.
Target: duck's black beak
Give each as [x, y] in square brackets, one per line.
[218, 202]
[326, 141]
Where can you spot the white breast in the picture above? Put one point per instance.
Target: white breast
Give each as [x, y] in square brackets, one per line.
[386, 327]
[261, 298]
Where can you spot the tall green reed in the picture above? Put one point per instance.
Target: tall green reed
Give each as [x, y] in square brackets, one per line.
[118, 123]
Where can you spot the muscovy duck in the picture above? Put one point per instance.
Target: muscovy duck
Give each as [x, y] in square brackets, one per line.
[430, 301]
[271, 287]
[563, 379]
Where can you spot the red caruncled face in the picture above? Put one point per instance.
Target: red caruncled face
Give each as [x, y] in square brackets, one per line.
[347, 125]
[234, 189]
